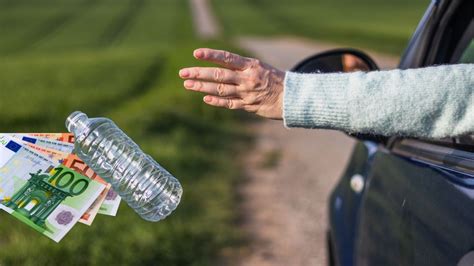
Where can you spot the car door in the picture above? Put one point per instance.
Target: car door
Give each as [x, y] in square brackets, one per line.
[418, 203]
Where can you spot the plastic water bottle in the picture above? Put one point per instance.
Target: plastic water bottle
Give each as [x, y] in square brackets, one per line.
[144, 184]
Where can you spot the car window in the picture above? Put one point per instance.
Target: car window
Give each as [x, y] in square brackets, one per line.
[468, 55]
[451, 37]
[464, 49]
[454, 44]
[451, 43]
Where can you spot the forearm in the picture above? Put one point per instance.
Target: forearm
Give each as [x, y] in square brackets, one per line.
[429, 102]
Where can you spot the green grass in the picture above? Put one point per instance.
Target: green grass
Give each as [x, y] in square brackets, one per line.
[381, 25]
[119, 58]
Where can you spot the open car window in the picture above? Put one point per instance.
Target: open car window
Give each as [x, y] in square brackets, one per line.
[464, 51]
[453, 34]
[454, 44]
[466, 56]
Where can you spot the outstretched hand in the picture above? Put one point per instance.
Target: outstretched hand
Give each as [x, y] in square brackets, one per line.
[244, 83]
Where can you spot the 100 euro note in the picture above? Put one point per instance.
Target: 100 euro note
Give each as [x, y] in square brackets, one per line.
[112, 200]
[47, 196]
[73, 162]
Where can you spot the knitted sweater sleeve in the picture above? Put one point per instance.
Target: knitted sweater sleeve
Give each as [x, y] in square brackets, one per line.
[431, 102]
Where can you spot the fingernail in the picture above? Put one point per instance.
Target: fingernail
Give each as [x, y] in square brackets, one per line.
[199, 54]
[184, 73]
[207, 99]
[189, 84]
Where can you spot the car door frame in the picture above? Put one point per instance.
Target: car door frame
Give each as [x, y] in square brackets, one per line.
[427, 38]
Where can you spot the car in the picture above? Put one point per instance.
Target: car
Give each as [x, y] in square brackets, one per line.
[401, 200]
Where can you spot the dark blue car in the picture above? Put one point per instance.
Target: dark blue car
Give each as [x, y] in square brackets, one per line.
[406, 201]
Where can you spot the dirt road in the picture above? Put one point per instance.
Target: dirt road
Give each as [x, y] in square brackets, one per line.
[289, 176]
[205, 24]
[290, 173]
[285, 202]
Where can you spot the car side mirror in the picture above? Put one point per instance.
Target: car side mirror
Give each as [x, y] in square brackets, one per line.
[337, 60]
[341, 60]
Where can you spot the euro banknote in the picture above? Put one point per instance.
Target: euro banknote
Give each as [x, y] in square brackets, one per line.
[76, 164]
[44, 142]
[112, 200]
[64, 137]
[47, 196]
[56, 156]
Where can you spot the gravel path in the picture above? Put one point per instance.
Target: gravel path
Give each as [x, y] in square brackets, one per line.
[289, 173]
[205, 24]
[285, 207]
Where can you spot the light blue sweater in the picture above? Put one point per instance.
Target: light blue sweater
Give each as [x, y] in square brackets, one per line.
[431, 102]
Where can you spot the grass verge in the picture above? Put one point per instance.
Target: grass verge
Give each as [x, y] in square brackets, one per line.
[105, 59]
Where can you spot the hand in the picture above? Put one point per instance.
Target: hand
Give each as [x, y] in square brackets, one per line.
[244, 83]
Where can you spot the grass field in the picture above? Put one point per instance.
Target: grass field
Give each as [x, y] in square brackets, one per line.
[119, 58]
[381, 25]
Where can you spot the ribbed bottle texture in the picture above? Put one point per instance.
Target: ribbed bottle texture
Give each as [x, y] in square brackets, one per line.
[146, 186]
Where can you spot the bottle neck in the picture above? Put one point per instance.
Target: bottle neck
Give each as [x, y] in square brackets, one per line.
[77, 123]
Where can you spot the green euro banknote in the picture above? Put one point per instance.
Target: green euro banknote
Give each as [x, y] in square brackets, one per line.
[110, 204]
[44, 142]
[72, 161]
[112, 200]
[47, 196]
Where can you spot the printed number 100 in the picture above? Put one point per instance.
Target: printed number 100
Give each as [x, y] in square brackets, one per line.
[68, 179]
